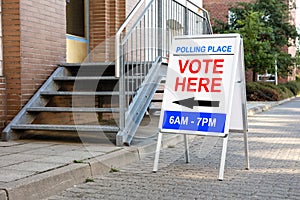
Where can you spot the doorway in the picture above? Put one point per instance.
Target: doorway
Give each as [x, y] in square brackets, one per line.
[76, 36]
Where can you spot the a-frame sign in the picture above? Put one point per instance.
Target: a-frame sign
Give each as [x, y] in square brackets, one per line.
[205, 91]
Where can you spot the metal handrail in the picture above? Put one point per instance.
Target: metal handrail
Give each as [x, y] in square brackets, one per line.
[119, 32]
[144, 37]
[129, 19]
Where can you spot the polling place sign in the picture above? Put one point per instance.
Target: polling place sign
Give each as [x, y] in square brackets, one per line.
[199, 90]
[205, 91]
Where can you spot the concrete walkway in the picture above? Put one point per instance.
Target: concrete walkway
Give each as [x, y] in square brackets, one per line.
[39, 169]
[274, 173]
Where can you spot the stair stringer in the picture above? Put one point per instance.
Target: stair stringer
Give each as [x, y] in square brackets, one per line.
[139, 105]
[23, 117]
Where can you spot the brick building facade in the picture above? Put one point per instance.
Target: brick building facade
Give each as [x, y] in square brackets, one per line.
[218, 9]
[38, 35]
[34, 42]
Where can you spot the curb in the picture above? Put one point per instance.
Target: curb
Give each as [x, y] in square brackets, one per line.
[262, 108]
[3, 195]
[49, 183]
[259, 109]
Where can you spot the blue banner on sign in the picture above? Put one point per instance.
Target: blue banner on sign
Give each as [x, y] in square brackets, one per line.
[194, 121]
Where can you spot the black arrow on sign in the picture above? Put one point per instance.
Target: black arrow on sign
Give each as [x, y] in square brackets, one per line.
[191, 102]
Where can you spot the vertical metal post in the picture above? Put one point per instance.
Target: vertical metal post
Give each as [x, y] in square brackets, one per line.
[244, 107]
[246, 146]
[186, 20]
[187, 150]
[87, 28]
[158, 146]
[276, 75]
[122, 98]
[159, 26]
[223, 158]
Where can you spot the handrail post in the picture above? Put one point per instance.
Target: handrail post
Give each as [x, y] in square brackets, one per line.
[122, 92]
[208, 24]
[186, 21]
[160, 27]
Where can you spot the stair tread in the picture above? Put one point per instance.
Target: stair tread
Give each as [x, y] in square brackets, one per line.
[68, 93]
[69, 109]
[66, 127]
[75, 78]
[158, 96]
[96, 64]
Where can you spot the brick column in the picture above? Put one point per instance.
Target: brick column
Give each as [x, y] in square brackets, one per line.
[33, 44]
[105, 19]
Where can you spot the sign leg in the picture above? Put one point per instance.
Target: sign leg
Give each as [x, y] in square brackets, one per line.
[247, 164]
[223, 158]
[158, 146]
[187, 151]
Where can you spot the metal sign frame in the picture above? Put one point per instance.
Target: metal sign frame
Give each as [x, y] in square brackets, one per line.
[233, 122]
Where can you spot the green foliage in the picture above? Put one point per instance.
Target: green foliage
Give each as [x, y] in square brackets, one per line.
[266, 31]
[112, 170]
[77, 161]
[287, 93]
[294, 87]
[297, 57]
[88, 180]
[258, 91]
[257, 55]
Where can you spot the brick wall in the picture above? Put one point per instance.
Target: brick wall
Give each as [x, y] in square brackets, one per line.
[34, 43]
[218, 9]
[11, 56]
[43, 29]
[105, 18]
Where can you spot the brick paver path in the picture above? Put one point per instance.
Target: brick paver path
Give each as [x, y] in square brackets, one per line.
[274, 141]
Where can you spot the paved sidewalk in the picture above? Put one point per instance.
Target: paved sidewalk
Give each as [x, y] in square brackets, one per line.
[274, 142]
[38, 169]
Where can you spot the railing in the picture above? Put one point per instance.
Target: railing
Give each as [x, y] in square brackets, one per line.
[143, 43]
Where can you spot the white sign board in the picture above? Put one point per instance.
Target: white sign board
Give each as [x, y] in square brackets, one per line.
[205, 91]
[202, 75]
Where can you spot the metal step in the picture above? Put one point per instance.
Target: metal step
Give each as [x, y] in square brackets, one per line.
[84, 78]
[64, 93]
[96, 64]
[66, 109]
[158, 97]
[93, 78]
[47, 127]
[90, 69]
[161, 88]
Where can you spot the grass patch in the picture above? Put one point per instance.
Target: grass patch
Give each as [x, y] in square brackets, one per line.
[112, 170]
[88, 180]
[77, 161]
